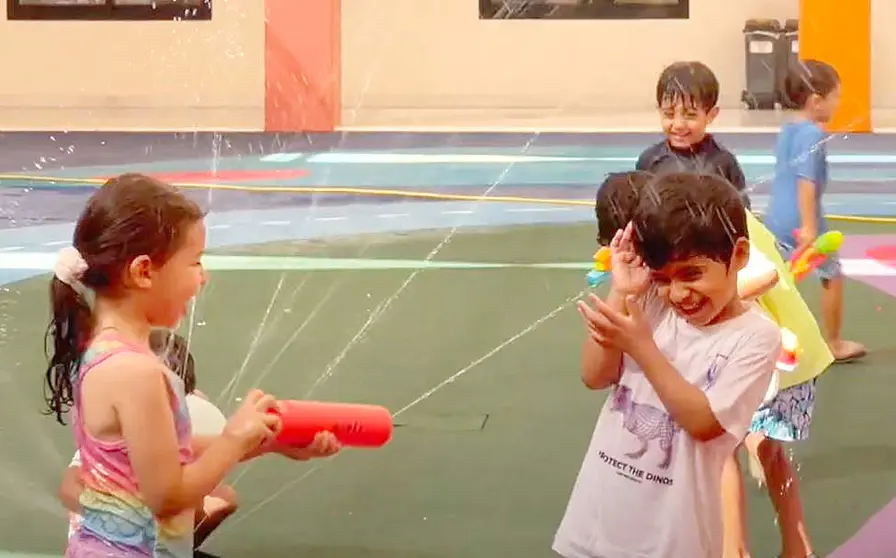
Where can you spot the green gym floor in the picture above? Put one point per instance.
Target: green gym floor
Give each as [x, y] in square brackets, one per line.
[479, 467]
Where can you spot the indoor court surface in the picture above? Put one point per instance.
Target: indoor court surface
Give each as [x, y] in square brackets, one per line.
[433, 274]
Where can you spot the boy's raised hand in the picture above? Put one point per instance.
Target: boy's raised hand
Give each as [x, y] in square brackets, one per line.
[610, 328]
[630, 275]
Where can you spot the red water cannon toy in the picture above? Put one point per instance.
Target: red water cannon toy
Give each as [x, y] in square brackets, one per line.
[354, 425]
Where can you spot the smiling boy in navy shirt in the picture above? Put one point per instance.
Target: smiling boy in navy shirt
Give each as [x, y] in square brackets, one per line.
[687, 96]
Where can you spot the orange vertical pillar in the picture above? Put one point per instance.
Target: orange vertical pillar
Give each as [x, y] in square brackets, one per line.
[839, 32]
[302, 88]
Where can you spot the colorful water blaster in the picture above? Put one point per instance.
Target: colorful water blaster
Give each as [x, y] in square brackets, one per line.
[602, 268]
[813, 255]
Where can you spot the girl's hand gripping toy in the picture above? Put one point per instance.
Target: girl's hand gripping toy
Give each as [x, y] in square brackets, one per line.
[354, 425]
[601, 271]
[813, 255]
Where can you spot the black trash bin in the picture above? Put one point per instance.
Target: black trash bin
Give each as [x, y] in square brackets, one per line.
[789, 54]
[761, 40]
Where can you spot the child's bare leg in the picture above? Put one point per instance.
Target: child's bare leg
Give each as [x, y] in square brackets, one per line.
[216, 507]
[734, 518]
[784, 491]
[832, 319]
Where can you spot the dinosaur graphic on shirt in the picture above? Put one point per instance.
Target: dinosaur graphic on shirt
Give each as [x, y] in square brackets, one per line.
[648, 423]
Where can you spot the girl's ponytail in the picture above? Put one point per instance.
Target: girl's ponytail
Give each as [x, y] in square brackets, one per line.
[129, 216]
[66, 336]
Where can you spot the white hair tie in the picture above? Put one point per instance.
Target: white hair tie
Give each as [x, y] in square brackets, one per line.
[70, 267]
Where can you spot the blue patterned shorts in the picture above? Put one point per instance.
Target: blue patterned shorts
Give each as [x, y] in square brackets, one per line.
[787, 417]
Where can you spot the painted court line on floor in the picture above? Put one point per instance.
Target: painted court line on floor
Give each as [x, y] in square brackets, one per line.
[43, 262]
[241, 227]
[373, 158]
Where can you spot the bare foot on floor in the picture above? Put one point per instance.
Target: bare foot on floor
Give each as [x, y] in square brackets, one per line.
[847, 351]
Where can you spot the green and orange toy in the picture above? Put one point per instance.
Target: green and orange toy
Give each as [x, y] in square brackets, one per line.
[601, 271]
[813, 255]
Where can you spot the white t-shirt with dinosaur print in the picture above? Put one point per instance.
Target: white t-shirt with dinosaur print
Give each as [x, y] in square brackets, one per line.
[646, 489]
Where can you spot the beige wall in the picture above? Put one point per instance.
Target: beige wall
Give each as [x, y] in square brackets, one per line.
[436, 53]
[396, 53]
[883, 54]
[135, 75]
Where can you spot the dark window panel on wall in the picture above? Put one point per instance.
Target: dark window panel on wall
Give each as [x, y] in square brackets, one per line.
[583, 9]
[117, 10]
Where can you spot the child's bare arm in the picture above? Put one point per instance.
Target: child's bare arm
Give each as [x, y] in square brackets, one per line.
[757, 285]
[736, 391]
[70, 489]
[687, 403]
[601, 357]
[602, 366]
[598, 368]
[201, 442]
[807, 202]
[142, 403]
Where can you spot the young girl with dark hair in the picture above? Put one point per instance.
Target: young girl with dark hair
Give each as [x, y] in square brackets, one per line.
[216, 507]
[135, 265]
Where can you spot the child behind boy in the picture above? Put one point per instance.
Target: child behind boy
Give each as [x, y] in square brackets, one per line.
[689, 363]
[687, 96]
[616, 201]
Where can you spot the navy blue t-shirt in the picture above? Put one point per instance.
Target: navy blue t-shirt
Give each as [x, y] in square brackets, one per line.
[707, 157]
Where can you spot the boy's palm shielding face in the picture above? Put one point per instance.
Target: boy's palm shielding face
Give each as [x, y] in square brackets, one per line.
[630, 275]
[612, 329]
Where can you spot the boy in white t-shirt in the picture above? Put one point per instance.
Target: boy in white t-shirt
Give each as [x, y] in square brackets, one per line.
[689, 363]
